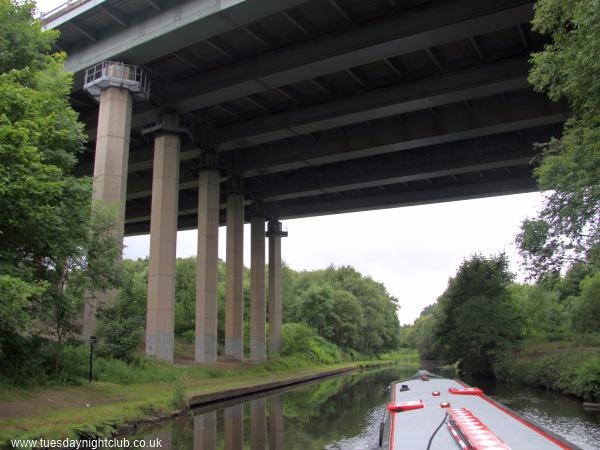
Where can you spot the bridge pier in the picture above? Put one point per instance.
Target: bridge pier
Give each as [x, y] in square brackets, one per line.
[207, 265]
[160, 318]
[275, 232]
[113, 85]
[258, 313]
[234, 275]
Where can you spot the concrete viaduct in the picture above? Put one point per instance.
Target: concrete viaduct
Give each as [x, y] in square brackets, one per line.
[220, 112]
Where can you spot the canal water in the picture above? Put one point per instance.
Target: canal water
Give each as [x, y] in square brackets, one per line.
[344, 412]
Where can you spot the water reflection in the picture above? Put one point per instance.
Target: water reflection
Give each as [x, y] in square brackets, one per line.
[344, 413]
[205, 431]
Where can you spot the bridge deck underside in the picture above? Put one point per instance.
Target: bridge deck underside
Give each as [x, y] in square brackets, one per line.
[335, 106]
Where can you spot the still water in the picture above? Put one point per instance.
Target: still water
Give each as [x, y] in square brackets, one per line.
[344, 413]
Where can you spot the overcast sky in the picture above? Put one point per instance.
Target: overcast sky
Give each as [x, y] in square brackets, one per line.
[411, 250]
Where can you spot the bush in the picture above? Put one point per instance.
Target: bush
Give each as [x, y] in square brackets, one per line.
[301, 340]
[179, 397]
[576, 373]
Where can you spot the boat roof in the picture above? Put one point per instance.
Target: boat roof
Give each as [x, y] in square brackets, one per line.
[412, 429]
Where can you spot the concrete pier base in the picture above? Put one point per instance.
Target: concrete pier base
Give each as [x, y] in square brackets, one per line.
[234, 278]
[163, 240]
[206, 270]
[257, 289]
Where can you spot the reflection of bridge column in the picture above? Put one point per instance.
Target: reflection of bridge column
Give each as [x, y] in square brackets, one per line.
[205, 431]
[258, 419]
[234, 278]
[276, 422]
[163, 239]
[165, 437]
[275, 232]
[112, 84]
[234, 427]
[207, 265]
[258, 311]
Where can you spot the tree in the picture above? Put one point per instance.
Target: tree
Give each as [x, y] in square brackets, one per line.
[122, 321]
[566, 229]
[477, 316]
[50, 247]
[586, 308]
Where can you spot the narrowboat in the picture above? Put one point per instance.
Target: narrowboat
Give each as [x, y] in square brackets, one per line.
[429, 412]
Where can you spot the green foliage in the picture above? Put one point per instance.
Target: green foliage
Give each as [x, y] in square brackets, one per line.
[53, 245]
[586, 307]
[573, 372]
[301, 340]
[179, 398]
[21, 42]
[477, 316]
[351, 310]
[122, 321]
[566, 230]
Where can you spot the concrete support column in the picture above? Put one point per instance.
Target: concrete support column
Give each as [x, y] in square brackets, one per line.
[257, 286]
[160, 318]
[206, 269]
[234, 427]
[110, 177]
[276, 422]
[275, 232]
[234, 278]
[205, 431]
[258, 424]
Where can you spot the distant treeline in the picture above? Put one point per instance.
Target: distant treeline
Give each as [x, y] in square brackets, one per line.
[350, 310]
[545, 334]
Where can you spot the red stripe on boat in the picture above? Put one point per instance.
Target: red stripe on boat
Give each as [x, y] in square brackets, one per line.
[480, 437]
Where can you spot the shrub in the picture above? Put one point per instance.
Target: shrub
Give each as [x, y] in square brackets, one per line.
[179, 398]
[301, 340]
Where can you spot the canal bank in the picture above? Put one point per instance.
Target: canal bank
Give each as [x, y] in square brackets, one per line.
[103, 409]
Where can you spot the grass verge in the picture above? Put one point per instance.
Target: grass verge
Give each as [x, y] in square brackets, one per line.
[100, 408]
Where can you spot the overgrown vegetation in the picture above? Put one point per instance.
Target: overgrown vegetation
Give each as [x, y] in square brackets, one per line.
[539, 334]
[53, 244]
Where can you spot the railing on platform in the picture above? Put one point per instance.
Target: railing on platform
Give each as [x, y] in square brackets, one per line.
[117, 74]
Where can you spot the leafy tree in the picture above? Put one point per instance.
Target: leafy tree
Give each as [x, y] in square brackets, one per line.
[347, 318]
[315, 309]
[566, 230]
[50, 249]
[122, 321]
[541, 311]
[478, 318]
[586, 308]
